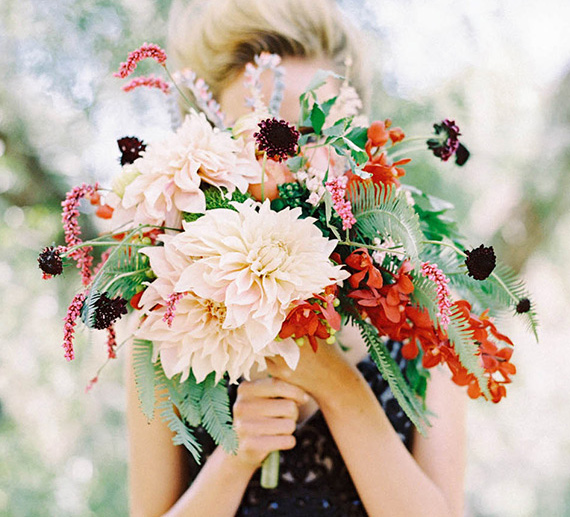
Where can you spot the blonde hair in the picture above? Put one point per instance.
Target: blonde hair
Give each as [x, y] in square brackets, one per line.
[217, 38]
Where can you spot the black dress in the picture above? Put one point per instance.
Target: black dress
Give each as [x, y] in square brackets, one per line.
[313, 477]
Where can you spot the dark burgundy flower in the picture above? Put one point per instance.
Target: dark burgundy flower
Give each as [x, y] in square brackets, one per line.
[108, 310]
[480, 262]
[446, 142]
[131, 149]
[50, 261]
[523, 305]
[461, 155]
[277, 138]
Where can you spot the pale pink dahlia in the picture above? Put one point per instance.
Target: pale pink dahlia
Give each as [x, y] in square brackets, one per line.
[257, 263]
[171, 172]
[198, 337]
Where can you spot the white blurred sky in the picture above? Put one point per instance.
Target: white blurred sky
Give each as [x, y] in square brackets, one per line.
[434, 40]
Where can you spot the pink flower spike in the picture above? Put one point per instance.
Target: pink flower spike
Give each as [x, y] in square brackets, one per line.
[150, 82]
[171, 307]
[147, 50]
[73, 312]
[337, 189]
[91, 383]
[72, 230]
[436, 275]
[111, 343]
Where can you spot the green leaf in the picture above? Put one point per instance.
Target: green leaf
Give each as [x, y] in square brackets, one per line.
[383, 211]
[328, 104]
[319, 79]
[182, 433]
[317, 118]
[390, 371]
[295, 163]
[500, 293]
[358, 136]
[216, 417]
[461, 337]
[144, 376]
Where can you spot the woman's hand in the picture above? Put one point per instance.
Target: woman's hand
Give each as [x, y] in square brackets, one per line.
[318, 373]
[265, 417]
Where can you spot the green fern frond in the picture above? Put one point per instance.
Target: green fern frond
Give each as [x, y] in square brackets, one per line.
[500, 293]
[144, 376]
[390, 371]
[182, 433]
[122, 274]
[425, 295]
[461, 337]
[216, 418]
[190, 404]
[384, 212]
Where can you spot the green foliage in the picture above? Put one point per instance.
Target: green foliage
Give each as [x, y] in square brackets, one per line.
[435, 223]
[461, 337]
[121, 275]
[216, 417]
[182, 433]
[418, 377]
[144, 376]
[384, 212]
[498, 293]
[169, 398]
[217, 198]
[391, 372]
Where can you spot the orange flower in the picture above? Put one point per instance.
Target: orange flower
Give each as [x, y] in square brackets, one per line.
[311, 320]
[361, 261]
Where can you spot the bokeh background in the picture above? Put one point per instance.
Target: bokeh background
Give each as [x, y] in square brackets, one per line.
[501, 68]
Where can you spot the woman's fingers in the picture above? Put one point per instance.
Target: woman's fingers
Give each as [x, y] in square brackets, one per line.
[266, 426]
[265, 444]
[272, 388]
[259, 407]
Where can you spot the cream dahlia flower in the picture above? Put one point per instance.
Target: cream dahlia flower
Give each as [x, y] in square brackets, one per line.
[172, 171]
[199, 339]
[256, 263]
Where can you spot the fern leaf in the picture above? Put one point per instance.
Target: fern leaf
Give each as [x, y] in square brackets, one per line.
[123, 272]
[144, 376]
[182, 434]
[391, 372]
[499, 293]
[190, 404]
[184, 395]
[216, 418]
[381, 212]
[461, 337]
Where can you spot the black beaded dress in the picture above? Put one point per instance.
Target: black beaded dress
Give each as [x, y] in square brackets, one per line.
[313, 478]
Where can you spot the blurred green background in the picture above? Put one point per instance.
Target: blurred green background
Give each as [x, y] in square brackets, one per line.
[501, 68]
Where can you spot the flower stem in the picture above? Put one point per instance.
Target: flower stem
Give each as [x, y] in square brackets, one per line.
[270, 470]
[263, 165]
[123, 275]
[188, 101]
[371, 247]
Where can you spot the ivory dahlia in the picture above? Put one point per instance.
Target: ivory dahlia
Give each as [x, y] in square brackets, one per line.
[198, 338]
[257, 263]
[172, 171]
[242, 272]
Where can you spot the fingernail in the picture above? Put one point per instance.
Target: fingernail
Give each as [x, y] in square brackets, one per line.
[305, 398]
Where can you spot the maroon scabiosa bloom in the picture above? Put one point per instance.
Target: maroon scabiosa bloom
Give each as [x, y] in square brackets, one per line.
[480, 262]
[131, 149]
[50, 261]
[277, 138]
[108, 310]
[523, 306]
[446, 142]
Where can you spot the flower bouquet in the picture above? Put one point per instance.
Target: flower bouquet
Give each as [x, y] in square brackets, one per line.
[238, 244]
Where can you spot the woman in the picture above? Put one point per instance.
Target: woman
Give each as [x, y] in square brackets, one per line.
[327, 392]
